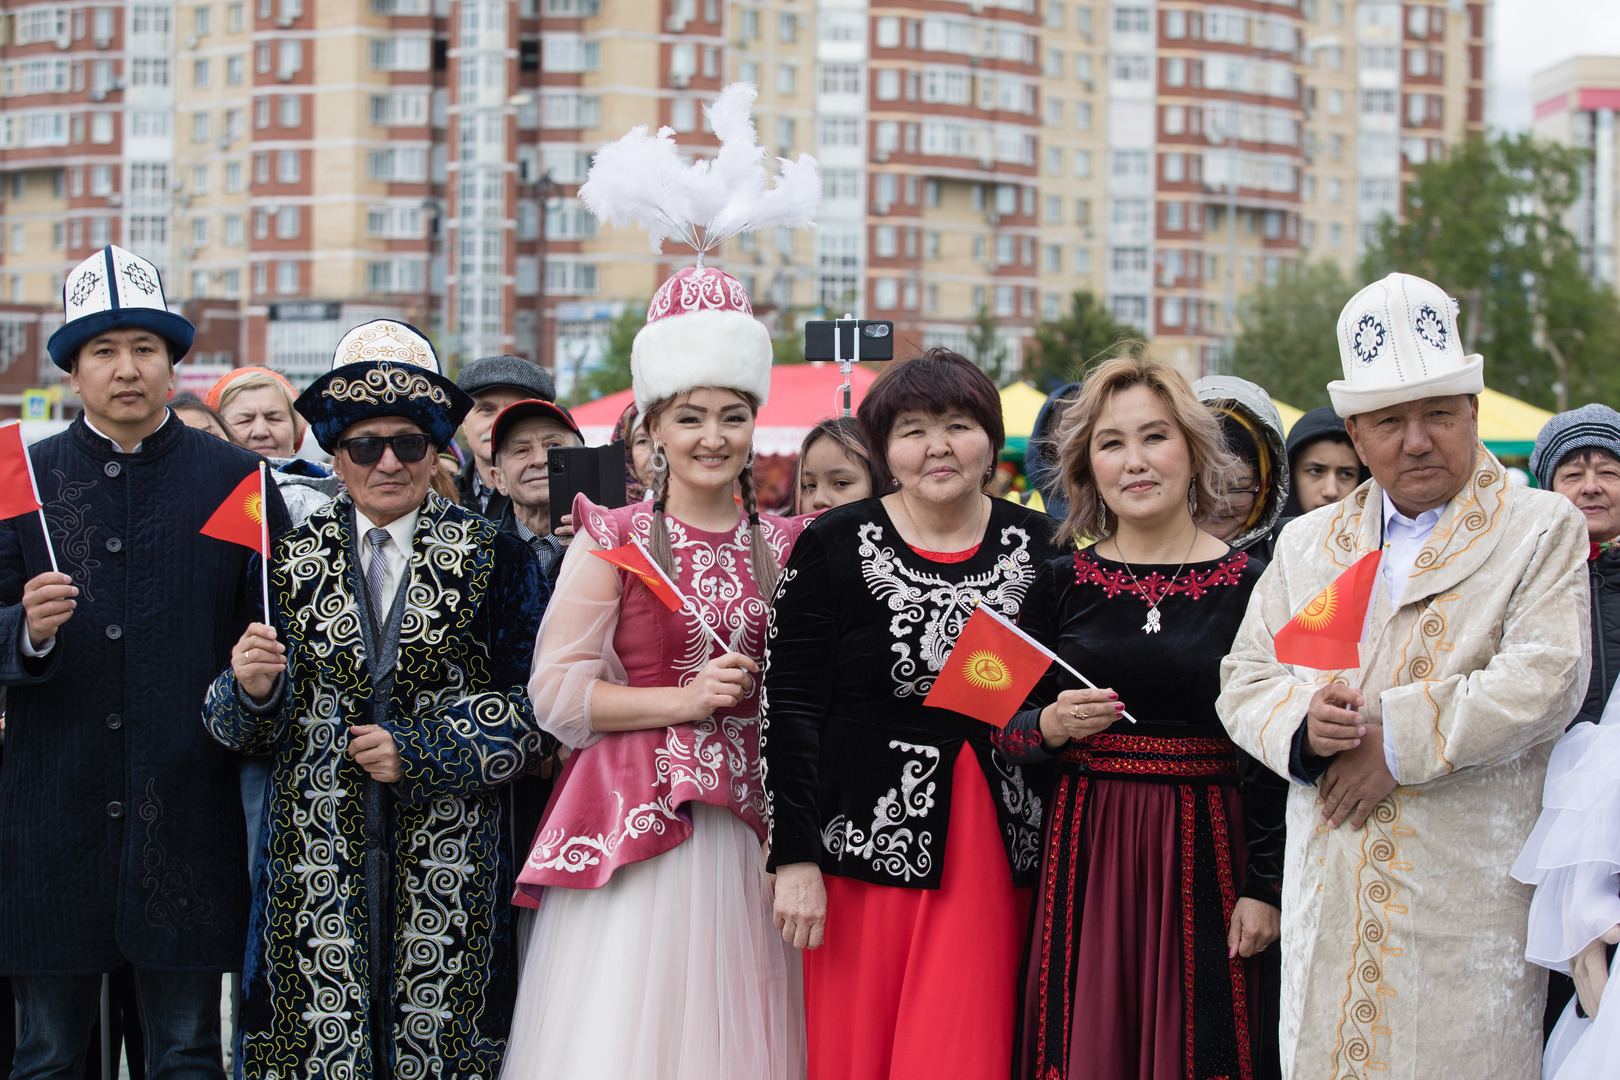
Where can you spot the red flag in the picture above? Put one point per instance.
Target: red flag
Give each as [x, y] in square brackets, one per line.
[991, 669]
[18, 495]
[1326, 634]
[240, 518]
[635, 558]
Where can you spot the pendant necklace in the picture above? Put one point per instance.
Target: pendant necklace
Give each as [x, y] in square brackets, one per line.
[1155, 621]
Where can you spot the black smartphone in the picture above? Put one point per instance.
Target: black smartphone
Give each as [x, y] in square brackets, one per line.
[877, 339]
[597, 472]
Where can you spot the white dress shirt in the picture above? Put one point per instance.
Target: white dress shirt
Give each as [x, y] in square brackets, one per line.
[28, 645]
[1404, 538]
[396, 552]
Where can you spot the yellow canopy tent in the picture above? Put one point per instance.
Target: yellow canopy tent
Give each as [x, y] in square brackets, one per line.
[1290, 415]
[1507, 426]
[1020, 405]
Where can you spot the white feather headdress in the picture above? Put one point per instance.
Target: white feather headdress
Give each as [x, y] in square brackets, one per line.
[642, 180]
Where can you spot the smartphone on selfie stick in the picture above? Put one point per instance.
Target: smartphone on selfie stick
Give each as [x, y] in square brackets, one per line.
[849, 341]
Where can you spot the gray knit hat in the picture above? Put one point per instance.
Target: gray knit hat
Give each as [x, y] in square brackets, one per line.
[488, 372]
[1590, 427]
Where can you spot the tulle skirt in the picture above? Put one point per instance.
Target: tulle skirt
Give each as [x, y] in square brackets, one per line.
[671, 971]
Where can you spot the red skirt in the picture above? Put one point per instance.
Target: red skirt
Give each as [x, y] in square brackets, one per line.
[922, 983]
[1128, 976]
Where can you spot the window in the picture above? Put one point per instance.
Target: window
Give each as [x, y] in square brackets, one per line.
[1175, 168]
[1054, 112]
[286, 278]
[1054, 161]
[888, 32]
[199, 127]
[839, 131]
[787, 27]
[1175, 119]
[287, 223]
[261, 276]
[233, 230]
[840, 79]
[150, 122]
[569, 53]
[146, 230]
[885, 243]
[1175, 72]
[199, 232]
[1131, 20]
[233, 176]
[1378, 102]
[1170, 311]
[261, 224]
[149, 71]
[403, 165]
[261, 112]
[1006, 301]
[290, 60]
[888, 84]
[288, 166]
[148, 19]
[201, 73]
[1054, 64]
[683, 114]
[1175, 216]
[291, 110]
[1129, 67]
[233, 18]
[233, 71]
[261, 57]
[885, 293]
[43, 24]
[1175, 24]
[1054, 14]
[400, 54]
[787, 79]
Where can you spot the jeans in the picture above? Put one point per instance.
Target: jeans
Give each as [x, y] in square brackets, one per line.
[179, 1019]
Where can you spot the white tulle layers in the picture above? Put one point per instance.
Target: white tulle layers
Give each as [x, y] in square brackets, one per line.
[672, 971]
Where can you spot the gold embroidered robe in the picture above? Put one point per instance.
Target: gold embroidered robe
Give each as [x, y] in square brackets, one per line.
[1403, 942]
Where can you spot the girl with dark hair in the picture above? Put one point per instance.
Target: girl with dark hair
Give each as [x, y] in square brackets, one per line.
[835, 467]
[902, 837]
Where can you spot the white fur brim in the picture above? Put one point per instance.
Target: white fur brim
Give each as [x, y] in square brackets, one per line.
[1348, 401]
[700, 348]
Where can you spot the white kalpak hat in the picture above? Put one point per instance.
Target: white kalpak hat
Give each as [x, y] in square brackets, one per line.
[1398, 342]
[701, 329]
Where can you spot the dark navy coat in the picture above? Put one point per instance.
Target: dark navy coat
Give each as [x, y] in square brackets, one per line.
[121, 832]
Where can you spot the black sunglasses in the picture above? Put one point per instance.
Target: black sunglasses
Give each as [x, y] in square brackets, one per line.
[368, 449]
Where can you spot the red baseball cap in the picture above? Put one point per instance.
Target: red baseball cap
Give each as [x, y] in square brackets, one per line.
[525, 409]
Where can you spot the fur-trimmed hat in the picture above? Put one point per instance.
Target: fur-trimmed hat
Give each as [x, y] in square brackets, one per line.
[112, 289]
[1398, 342]
[700, 331]
[384, 368]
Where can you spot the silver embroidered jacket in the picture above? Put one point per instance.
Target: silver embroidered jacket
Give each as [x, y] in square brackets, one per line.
[858, 770]
[321, 982]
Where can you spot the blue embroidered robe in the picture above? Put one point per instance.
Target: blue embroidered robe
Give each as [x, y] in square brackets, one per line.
[460, 715]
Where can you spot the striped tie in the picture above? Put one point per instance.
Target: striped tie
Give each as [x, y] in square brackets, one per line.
[377, 574]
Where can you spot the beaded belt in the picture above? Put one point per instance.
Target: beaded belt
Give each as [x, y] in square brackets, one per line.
[1150, 757]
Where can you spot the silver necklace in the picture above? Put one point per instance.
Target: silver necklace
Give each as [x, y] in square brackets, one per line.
[1155, 621]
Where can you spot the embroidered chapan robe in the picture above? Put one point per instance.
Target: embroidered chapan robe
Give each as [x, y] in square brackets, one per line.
[1403, 942]
[429, 936]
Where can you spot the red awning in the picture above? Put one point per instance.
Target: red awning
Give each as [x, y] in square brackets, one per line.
[802, 395]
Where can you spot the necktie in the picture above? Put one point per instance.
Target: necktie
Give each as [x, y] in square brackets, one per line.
[377, 574]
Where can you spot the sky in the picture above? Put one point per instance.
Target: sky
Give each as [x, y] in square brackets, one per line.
[1534, 34]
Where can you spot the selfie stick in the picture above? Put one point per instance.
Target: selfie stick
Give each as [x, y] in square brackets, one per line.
[846, 364]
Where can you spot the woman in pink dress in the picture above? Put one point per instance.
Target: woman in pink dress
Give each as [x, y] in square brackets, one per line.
[653, 954]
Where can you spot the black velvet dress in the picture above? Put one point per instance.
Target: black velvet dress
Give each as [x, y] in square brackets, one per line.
[1153, 833]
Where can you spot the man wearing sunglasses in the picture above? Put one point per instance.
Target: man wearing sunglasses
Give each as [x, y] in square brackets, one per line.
[391, 692]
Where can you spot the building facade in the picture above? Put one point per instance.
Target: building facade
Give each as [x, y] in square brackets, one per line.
[295, 167]
[1576, 103]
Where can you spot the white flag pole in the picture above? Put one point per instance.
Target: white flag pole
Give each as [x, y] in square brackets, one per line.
[264, 541]
[687, 603]
[1054, 657]
[28, 463]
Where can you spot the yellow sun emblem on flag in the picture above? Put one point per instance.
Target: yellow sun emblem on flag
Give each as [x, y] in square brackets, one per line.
[1320, 611]
[253, 506]
[987, 671]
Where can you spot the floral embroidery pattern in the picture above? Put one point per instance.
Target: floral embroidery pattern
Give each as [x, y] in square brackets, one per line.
[1154, 587]
[889, 842]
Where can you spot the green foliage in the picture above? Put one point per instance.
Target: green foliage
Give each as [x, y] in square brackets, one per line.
[1288, 341]
[613, 373]
[1065, 346]
[1487, 225]
[985, 347]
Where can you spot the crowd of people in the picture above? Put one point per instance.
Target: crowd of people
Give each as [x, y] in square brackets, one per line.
[656, 793]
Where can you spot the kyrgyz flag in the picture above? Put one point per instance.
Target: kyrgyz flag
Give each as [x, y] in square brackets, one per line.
[1326, 635]
[18, 495]
[240, 518]
[635, 558]
[991, 669]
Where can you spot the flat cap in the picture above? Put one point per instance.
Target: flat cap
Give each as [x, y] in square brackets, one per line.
[488, 372]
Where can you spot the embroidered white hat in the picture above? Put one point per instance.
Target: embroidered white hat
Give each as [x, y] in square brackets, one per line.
[111, 289]
[384, 367]
[1398, 342]
[700, 331]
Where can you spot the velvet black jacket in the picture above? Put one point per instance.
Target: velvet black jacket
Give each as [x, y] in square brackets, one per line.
[858, 770]
[121, 831]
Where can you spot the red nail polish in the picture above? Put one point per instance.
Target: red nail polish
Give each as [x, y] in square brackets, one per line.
[1113, 695]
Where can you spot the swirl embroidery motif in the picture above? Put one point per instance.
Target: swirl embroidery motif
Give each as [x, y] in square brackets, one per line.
[939, 608]
[889, 842]
[717, 755]
[74, 542]
[1368, 340]
[172, 899]
[699, 288]
[313, 943]
[1430, 328]
[384, 385]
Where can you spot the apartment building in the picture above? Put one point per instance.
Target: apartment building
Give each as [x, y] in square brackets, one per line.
[1575, 103]
[295, 167]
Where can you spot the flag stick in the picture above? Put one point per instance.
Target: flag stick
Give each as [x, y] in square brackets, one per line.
[691, 605]
[28, 463]
[1088, 682]
[1010, 625]
[264, 542]
[46, 529]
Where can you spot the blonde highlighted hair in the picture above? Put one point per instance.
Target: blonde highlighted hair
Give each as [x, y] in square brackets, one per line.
[1089, 520]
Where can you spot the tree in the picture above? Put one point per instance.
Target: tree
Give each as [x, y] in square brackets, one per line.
[988, 351]
[613, 373]
[1487, 225]
[1288, 341]
[1063, 347]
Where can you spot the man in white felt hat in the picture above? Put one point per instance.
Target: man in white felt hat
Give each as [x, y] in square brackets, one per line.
[1417, 777]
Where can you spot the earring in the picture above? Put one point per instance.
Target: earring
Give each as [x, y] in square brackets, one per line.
[658, 459]
[1102, 517]
[749, 464]
[1192, 498]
